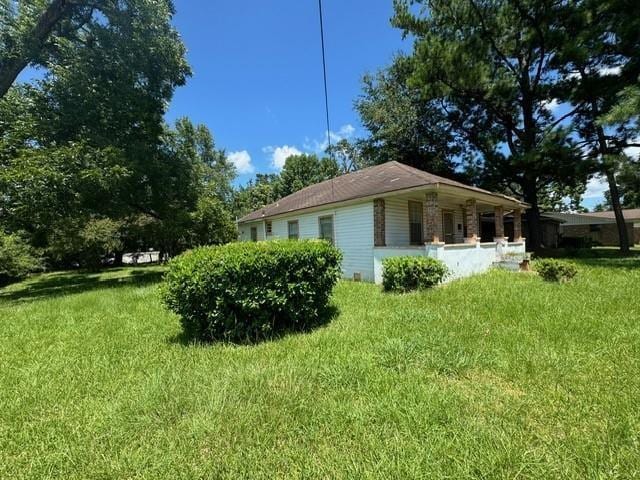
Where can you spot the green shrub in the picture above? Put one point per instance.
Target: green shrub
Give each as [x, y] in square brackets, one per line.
[251, 290]
[553, 270]
[403, 274]
[17, 258]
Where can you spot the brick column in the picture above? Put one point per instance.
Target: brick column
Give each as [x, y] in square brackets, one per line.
[498, 213]
[517, 225]
[378, 223]
[471, 211]
[432, 222]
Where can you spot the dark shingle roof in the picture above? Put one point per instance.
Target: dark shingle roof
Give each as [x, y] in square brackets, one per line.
[385, 178]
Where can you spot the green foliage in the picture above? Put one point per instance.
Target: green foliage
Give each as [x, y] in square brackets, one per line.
[302, 170]
[553, 270]
[87, 242]
[403, 124]
[212, 223]
[256, 193]
[17, 258]
[75, 37]
[403, 274]
[87, 141]
[249, 291]
[627, 109]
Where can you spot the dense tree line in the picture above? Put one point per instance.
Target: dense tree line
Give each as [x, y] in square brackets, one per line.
[87, 165]
[476, 97]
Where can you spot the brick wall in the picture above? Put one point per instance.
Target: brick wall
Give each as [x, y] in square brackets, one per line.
[432, 222]
[378, 222]
[605, 234]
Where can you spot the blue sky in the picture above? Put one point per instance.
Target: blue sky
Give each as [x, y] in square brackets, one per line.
[257, 72]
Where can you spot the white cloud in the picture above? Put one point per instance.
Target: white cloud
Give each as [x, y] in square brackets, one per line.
[596, 187]
[242, 161]
[280, 154]
[346, 131]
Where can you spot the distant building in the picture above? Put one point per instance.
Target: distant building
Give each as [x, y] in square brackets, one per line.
[599, 227]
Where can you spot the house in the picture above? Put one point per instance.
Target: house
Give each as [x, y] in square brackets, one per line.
[392, 210]
[599, 227]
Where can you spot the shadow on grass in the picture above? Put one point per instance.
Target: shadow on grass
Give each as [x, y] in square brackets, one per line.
[596, 257]
[187, 340]
[65, 283]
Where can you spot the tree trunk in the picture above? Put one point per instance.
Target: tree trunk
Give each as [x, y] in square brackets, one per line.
[534, 238]
[12, 65]
[534, 229]
[117, 262]
[609, 171]
[617, 210]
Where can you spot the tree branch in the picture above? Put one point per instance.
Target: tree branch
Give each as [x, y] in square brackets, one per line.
[13, 64]
[491, 40]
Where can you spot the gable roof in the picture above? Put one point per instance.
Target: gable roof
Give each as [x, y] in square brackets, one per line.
[385, 178]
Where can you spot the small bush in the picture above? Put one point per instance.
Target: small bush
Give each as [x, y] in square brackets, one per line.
[553, 270]
[17, 259]
[251, 290]
[403, 274]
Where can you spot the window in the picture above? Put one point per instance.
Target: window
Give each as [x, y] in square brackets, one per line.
[595, 228]
[415, 223]
[268, 228]
[293, 230]
[326, 228]
[254, 234]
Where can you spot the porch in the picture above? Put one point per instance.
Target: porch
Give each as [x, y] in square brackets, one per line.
[446, 224]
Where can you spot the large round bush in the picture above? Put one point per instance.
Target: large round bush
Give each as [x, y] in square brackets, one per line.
[248, 291]
[406, 273]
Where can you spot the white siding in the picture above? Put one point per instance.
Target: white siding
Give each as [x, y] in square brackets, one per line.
[245, 230]
[353, 231]
[354, 236]
[396, 223]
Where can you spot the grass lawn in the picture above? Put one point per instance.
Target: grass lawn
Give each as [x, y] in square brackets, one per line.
[496, 376]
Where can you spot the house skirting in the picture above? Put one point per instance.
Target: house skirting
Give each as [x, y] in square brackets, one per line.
[462, 259]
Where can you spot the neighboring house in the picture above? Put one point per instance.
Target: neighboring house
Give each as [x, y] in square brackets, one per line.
[392, 210]
[599, 227]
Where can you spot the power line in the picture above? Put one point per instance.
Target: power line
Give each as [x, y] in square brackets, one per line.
[324, 72]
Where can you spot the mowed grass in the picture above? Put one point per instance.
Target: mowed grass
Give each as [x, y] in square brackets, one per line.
[496, 376]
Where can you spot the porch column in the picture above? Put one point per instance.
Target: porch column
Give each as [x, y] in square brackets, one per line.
[378, 223]
[517, 225]
[498, 213]
[471, 211]
[432, 222]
